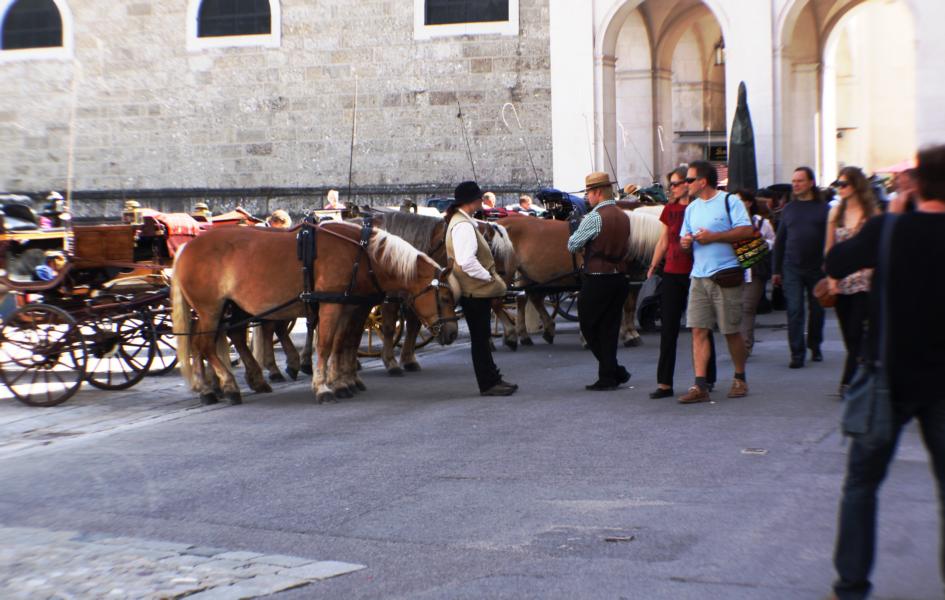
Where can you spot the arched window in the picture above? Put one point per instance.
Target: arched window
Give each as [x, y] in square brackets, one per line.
[448, 12]
[219, 18]
[32, 24]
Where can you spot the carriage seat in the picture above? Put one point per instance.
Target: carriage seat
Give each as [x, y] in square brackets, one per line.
[36, 286]
[17, 214]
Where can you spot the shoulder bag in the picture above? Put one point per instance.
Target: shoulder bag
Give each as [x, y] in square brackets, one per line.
[751, 250]
[868, 413]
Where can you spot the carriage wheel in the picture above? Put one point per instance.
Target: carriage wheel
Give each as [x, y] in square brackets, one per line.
[120, 350]
[372, 342]
[42, 355]
[565, 304]
[165, 342]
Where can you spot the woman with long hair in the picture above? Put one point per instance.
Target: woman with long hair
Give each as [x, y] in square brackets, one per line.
[857, 205]
[757, 276]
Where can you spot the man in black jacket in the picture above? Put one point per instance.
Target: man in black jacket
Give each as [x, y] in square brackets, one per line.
[798, 260]
[914, 357]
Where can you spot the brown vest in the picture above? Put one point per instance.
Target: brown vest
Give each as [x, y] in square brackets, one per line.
[606, 252]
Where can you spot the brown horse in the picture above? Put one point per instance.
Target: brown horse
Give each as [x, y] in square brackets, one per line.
[256, 271]
[542, 265]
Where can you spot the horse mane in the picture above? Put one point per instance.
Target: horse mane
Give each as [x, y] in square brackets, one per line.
[416, 229]
[645, 231]
[397, 254]
[501, 246]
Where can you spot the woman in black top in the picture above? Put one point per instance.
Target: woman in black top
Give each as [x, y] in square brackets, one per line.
[914, 357]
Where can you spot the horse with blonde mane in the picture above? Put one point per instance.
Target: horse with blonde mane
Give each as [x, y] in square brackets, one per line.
[254, 270]
[542, 265]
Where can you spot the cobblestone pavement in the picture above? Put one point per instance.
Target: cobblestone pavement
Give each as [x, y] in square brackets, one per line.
[39, 563]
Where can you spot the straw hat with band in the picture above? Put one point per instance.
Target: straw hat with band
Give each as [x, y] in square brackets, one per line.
[599, 179]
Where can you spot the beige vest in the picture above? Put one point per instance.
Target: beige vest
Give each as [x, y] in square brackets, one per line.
[470, 286]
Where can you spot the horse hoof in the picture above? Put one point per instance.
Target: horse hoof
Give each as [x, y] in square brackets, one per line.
[307, 369]
[276, 377]
[292, 373]
[265, 388]
[395, 372]
[360, 385]
[353, 390]
[633, 342]
[527, 342]
[412, 367]
[234, 398]
[325, 398]
[548, 337]
[207, 399]
[511, 345]
[343, 393]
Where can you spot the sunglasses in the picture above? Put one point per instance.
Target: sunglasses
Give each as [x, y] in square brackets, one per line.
[843, 184]
[673, 184]
[692, 179]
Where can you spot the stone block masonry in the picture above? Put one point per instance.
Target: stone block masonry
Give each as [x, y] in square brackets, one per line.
[151, 115]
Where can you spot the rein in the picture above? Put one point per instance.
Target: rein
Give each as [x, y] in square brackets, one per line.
[306, 248]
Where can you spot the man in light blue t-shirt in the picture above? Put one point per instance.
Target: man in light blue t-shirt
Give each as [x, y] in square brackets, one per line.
[713, 220]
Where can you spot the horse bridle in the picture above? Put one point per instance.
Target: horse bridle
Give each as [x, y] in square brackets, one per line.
[434, 286]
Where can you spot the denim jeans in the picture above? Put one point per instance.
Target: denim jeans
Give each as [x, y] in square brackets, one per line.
[798, 285]
[866, 469]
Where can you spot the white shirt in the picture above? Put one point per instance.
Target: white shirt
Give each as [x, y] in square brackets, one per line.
[465, 246]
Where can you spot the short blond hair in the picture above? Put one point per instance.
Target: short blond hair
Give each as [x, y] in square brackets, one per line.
[280, 218]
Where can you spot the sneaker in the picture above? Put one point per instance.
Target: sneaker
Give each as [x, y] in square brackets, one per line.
[499, 389]
[816, 355]
[739, 389]
[601, 386]
[796, 362]
[662, 393]
[694, 395]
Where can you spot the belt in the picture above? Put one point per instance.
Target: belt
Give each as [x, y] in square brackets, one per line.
[614, 272]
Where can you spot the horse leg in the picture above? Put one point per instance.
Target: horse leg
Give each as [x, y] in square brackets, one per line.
[389, 313]
[350, 353]
[263, 350]
[306, 366]
[520, 327]
[292, 361]
[408, 356]
[547, 321]
[215, 350]
[336, 374]
[254, 375]
[509, 336]
[628, 327]
[328, 315]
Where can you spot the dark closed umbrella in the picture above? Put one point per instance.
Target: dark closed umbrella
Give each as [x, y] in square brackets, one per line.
[742, 171]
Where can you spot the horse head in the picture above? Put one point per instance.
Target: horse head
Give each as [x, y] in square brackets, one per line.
[435, 303]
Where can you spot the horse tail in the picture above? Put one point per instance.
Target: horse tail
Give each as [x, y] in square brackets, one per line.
[183, 328]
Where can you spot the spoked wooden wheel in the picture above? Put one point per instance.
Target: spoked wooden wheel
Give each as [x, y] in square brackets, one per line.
[372, 342]
[120, 350]
[165, 342]
[565, 304]
[42, 355]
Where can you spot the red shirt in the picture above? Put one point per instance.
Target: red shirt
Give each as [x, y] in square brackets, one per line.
[678, 262]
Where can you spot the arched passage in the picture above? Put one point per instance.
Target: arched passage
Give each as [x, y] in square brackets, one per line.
[848, 85]
[662, 89]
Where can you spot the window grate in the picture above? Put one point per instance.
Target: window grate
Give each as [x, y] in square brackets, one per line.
[447, 12]
[234, 17]
[32, 24]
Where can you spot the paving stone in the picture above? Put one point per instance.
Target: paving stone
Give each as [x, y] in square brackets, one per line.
[282, 560]
[254, 569]
[165, 546]
[251, 588]
[220, 565]
[239, 555]
[205, 551]
[324, 569]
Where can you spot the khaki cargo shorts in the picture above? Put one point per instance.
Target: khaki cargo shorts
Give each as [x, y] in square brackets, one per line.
[711, 304]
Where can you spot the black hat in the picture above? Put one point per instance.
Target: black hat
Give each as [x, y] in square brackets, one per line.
[466, 192]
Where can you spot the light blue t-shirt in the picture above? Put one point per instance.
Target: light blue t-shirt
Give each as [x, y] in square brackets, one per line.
[709, 259]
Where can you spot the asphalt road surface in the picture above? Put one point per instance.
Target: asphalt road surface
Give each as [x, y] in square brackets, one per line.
[554, 492]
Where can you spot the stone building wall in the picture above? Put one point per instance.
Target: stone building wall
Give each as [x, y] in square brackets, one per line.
[149, 115]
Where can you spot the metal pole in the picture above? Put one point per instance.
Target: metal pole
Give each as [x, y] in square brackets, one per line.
[354, 125]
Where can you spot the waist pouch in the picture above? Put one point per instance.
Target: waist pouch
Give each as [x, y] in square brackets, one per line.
[727, 278]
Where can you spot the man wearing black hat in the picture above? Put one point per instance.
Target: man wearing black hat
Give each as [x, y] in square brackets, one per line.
[604, 234]
[475, 282]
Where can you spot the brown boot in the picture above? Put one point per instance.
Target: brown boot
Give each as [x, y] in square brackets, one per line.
[694, 395]
[739, 389]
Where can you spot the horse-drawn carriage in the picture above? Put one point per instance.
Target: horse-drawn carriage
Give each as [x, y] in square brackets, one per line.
[85, 303]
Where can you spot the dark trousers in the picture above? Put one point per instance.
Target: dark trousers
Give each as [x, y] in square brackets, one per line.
[852, 311]
[866, 469]
[799, 285]
[600, 308]
[478, 313]
[674, 295]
